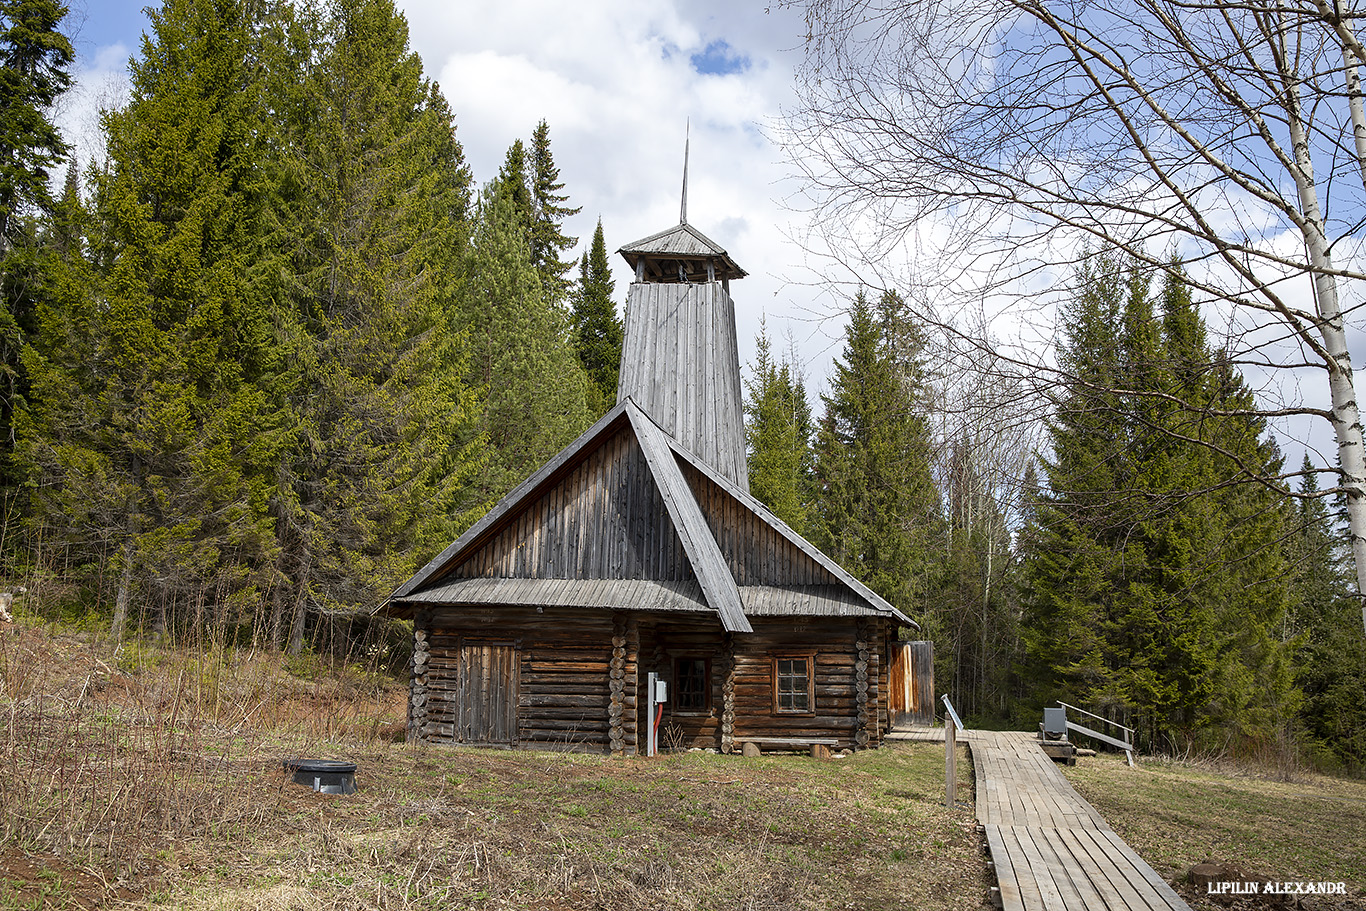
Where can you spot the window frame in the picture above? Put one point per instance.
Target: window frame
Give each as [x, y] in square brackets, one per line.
[810, 659]
[674, 707]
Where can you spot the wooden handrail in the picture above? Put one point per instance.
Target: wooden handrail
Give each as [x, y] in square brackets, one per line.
[1129, 731]
[1127, 747]
[949, 707]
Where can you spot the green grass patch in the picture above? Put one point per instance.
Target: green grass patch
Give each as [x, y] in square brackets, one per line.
[1307, 829]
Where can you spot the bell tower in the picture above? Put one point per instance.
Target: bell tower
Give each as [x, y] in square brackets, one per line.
[680, 361]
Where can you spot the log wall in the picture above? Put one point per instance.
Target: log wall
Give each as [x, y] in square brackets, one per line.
[580, 677]
[849, 680]
[565, 666]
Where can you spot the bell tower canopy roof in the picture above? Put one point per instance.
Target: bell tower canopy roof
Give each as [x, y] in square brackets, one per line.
[680, 254]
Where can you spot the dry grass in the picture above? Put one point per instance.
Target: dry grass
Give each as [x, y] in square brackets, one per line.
[154, 778]
[1178, 814]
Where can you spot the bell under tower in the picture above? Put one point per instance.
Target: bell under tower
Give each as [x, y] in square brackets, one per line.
[680, 361]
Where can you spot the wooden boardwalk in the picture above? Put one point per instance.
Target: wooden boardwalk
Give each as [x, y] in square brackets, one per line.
[1051, 849]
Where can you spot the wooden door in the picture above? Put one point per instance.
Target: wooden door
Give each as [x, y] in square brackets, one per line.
[911, 700]
[486, 693]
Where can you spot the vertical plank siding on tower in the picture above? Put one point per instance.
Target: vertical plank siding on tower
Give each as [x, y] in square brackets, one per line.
[681, 364]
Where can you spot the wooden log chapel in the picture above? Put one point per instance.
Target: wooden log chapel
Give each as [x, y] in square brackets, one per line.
[638, 549]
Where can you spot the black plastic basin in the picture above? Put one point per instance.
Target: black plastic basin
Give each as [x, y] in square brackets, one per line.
[325, 776]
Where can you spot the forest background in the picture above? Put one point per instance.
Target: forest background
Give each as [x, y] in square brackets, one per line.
[278, 347]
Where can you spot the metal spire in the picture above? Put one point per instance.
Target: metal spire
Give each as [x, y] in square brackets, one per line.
[683, 210]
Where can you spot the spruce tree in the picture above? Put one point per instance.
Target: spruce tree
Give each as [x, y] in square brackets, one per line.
[778, 431]
[1078, 548]
[35, 59]
[1154, 582]
[514, 182]
[598, 332]
[537, 393]
[878, 511]
[548, 212]
[381, 429]
[169, 436]
[1324, 630]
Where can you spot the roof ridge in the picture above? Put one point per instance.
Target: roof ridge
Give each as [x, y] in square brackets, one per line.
[708, 563]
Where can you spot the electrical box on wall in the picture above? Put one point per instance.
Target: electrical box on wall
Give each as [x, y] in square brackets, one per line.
[656, 694]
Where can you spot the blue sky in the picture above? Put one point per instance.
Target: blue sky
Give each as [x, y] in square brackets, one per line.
[719, 59]
[107, 22]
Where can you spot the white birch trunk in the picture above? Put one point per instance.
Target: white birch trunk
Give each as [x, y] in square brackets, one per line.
[1346, 416]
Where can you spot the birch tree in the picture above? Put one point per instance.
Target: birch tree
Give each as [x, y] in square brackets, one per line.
[1003, 137]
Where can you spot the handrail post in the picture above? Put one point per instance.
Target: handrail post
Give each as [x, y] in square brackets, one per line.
[951, 725]
[950, 762]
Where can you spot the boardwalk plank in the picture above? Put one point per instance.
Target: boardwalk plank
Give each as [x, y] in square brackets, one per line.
[1164, 892]
[1038, 870]
[1076, 869]
[1118, 873]
[1006, 879]
[1025, 880]
[1052, 849]
[1101, 877]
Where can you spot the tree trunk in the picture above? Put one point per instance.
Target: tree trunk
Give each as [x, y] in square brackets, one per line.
[1346, 416]
[296, 630]
[121, 599]
[277, 614]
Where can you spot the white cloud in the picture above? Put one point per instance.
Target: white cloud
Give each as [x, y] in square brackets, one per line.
[616, 84]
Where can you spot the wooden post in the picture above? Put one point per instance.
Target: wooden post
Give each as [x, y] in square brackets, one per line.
[951, 725]
[950, 761]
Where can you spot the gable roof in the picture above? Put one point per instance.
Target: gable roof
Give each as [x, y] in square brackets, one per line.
[626, 518]
[765, 515]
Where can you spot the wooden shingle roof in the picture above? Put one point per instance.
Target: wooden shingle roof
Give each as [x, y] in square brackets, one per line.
[685, 245]
[626, 518]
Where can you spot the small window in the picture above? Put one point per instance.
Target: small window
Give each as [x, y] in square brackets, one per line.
[792, 686]
[692, 685]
